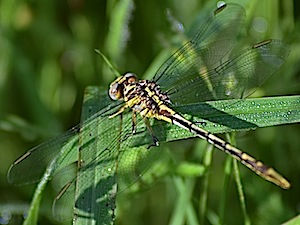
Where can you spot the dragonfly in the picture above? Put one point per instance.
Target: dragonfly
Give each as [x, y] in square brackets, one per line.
[202, 69]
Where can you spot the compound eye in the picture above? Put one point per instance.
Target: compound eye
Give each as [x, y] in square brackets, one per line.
[114, 91]
[130, 78]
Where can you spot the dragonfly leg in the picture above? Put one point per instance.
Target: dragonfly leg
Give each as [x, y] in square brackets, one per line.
[133, 122]
[155, 142]
[120, 111]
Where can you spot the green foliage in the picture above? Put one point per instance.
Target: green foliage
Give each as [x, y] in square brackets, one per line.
[47, 59]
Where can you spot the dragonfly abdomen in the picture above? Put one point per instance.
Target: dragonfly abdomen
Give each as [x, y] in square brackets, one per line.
[257, 166]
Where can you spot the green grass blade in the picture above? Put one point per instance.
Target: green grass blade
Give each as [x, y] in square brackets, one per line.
[293, 221]
[96, 185]
[120, 13]
[64, 158]
[183, 210]
[239, 185]
[208, 155]
[33, 212]
[234, 115]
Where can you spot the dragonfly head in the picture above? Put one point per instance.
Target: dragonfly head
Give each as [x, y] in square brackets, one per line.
[116, 89]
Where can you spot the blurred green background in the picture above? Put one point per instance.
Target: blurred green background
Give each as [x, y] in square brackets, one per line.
[47, 59]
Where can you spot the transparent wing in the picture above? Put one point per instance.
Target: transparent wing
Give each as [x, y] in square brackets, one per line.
[101, 147]
[208, 46]
[30, 167]
[236, 78]
[105, 159]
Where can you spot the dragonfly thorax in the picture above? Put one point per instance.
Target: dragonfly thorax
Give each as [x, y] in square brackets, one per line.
[142, 96]
[145, 97]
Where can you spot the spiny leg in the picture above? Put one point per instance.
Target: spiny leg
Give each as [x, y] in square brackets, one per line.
[133, 118]
[120, 111]
[144, 113]
[154, 138]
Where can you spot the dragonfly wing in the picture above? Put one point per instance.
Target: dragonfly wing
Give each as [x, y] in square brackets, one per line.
[63, 204]
[112, 158]
[30, 167]
[208, 46]
[236, 78]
